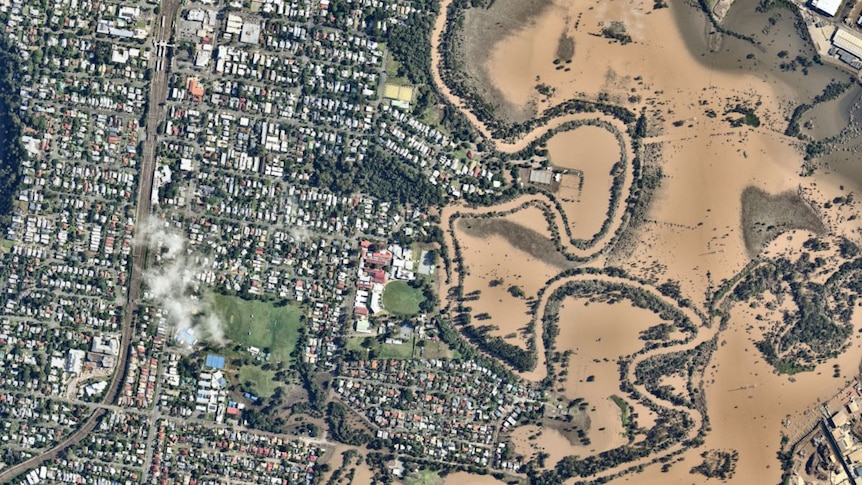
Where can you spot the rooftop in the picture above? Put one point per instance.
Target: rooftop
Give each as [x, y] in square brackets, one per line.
[847, 40]
[829, 7]
[215, 361]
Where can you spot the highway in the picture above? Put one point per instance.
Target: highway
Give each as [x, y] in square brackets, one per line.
[160, 64]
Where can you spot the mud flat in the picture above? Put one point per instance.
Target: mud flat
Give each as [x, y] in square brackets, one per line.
[668, 51]
[765, 216]
[484, 28]
[748, 402]
[750, 406]
[531, 218]
[694, 227]
[591, 151]
[513, 214]
[696, 90]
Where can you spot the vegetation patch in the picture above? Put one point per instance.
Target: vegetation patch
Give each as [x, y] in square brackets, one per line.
[339, 428]
[616, 31]
[399, 298]
[254, 323]
[11, 150]
[672, 425]
[520, 237]
[424, 477]
[370, 348]
[624, 409]
[719, 464]
[565, 48]
[765, 217]
[820, 324]
[685, 364]
[260, 382]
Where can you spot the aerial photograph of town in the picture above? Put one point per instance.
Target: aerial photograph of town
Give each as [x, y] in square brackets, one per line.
[431, 242]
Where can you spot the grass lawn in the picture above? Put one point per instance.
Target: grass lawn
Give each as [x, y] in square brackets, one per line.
[391, 67]
[399, 298]
[624, 408]
[387, 351]
[433, 117]
[393, 351]
[436, 350]
[261, 380]
[260, 324]
[460, 154]
[424, 477]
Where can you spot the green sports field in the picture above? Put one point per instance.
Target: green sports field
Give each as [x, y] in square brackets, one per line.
[260, 324]
[401, 299]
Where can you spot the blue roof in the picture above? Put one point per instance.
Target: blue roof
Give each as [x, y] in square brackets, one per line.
[215, 361]
[186, 336]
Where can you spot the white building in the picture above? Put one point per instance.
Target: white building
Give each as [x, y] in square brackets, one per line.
[108, 346]
[75, 361]
[849, 41]
[829, 7]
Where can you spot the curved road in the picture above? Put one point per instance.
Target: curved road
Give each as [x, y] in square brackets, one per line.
[158, 94]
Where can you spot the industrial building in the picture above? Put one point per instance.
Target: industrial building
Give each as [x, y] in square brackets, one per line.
[541, 176]
[849, 41]
[828, 7]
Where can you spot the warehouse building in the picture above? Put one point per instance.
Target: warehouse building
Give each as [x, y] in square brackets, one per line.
[829, 7]
[848, 41]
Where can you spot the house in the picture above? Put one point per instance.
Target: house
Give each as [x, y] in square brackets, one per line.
[75, 361]
[543, 177]
[234, 24]
[250, 33]
[377, 276]
[196, 89]
[828, 7]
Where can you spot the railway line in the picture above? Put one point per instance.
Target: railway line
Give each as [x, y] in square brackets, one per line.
[160, 65]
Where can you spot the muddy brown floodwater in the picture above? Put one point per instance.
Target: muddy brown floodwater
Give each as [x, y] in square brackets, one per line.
[598, 333]
[592, 152]
[694, 88]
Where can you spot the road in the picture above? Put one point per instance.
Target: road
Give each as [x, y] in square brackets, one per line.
[158, 94]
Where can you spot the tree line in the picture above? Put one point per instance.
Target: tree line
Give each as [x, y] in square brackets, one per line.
[12, 151]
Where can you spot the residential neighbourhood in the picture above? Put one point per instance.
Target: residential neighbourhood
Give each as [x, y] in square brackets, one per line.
[266, 104]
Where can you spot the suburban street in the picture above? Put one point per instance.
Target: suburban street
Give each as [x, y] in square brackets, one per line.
[163, 26]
